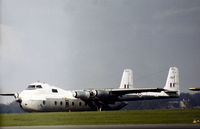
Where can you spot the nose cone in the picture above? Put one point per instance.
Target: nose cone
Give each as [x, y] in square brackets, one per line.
[29, 101]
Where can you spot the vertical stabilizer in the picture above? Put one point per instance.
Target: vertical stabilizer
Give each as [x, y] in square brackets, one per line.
[127, 79]
[172, 83]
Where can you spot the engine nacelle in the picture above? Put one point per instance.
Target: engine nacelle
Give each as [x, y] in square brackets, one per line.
[82, 94]
[102, 93]
[92, 94]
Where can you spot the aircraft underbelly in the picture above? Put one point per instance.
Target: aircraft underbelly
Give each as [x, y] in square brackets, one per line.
[55, 105]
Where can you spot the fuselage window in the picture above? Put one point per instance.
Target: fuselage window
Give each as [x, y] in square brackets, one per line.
[61, 103]
[67, 103]
[54, 90]
[38, 86]
[72, 103]
[55, 102]
[80, 103]
[43, 102]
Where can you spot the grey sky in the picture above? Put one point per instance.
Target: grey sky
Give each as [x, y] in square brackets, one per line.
[77, 44]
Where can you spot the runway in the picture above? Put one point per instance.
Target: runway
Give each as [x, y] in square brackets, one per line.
[143, 126]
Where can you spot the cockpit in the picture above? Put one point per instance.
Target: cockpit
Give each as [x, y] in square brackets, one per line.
[32, 87]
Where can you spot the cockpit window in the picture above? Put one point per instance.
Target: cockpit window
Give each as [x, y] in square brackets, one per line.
[31, 87]
[38, 86]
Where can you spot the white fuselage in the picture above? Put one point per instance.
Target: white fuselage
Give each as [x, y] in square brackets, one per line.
[46, 98]
[49, 98]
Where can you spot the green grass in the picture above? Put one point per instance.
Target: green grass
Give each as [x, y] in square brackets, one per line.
[104, 117]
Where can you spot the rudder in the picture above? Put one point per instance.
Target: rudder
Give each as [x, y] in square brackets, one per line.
[172, 83]
[127, 79]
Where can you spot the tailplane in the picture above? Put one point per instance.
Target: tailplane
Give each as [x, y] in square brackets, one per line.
[127, 79]
[172, 83]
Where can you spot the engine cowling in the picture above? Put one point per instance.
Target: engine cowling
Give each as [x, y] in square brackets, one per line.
[102, 93]
[92, 94]
[82, 94]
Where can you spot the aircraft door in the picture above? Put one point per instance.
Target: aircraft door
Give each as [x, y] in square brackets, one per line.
[67, 105]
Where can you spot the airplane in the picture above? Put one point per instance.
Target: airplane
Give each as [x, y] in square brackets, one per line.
[42, 97]
[194, 89]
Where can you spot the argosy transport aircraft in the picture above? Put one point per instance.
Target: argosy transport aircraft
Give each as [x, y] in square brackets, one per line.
[194, 89]
[42, 97]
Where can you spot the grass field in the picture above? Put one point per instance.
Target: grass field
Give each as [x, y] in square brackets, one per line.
[104, 117]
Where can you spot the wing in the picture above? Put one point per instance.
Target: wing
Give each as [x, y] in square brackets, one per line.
[16, 95]
[8, 94]
[106, 93]
[106, 98]
[135, 90]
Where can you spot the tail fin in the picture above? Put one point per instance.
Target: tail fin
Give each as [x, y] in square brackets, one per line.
[127, 79]
[172, 83]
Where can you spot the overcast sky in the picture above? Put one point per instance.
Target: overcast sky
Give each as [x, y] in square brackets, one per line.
[78, 44]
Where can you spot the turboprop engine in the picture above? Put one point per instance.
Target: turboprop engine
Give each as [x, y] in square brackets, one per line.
[82, 94]
[91, 94]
